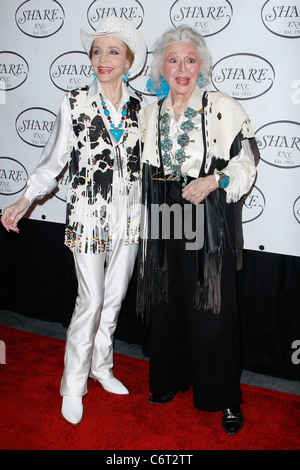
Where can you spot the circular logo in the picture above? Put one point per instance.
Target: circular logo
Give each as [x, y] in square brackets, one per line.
[243, 76]
[131, 11]
[208, 19]
[281, 18]
[40, 21]
[254, 205]
[71, 70]
[279, 144]
[139, 83]
[296, 209]
[13, 176]
[13, 70]
[34, 126]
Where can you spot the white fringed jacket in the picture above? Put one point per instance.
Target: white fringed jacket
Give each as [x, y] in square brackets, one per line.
[221, 140]
[104, 176]
[224, 118]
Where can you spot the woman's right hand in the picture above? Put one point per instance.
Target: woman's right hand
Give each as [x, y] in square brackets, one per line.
[14, 213]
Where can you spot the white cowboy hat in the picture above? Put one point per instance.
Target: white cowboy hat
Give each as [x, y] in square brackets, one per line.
[122, 30]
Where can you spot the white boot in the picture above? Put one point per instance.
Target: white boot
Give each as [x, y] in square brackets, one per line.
[72, 409]
[111, 385]
[114, 386]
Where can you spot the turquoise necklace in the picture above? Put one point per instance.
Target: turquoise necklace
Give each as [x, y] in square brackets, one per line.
[116, 132]
[183, 140]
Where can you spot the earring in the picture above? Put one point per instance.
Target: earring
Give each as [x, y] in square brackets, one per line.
[160, 90]
[95, 77]
[200, 80]
[126, 76]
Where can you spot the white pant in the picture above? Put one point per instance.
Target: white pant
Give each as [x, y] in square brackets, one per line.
[102, 285]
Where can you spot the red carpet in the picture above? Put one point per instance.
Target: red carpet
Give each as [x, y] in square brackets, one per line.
[30, 404]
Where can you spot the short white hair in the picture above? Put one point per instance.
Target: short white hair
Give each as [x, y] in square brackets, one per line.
[182, 33]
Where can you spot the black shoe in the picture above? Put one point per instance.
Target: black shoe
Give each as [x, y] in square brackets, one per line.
[160, 398]
[232, 420]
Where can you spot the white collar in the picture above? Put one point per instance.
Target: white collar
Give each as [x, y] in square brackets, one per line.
[95, 89]
[194, 101]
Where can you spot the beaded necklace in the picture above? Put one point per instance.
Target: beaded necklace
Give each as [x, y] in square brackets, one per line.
[116, 133]
[183, 140]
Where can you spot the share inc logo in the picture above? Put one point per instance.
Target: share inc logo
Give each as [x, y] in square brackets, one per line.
[281, 18]
[40, 19]
[129, 10]
[209, 19]
[279, 144]
[34, 126]
[244, 76]
[14, 70]
[13, 176]
[71, 70]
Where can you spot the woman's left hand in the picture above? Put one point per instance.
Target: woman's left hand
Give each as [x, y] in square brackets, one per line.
[197, 190]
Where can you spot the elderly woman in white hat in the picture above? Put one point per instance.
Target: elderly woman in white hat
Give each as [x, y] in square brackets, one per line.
[97, 134]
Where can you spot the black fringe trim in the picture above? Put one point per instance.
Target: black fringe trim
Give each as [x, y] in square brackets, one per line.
[152, 279]
[208, 284]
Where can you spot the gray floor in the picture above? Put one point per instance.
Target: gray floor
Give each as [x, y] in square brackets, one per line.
[56, 330]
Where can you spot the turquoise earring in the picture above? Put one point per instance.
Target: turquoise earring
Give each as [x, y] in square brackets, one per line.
[163, 89]
[126, 76]
[200, 80]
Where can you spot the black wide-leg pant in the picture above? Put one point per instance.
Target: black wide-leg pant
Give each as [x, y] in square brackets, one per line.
[197, 347]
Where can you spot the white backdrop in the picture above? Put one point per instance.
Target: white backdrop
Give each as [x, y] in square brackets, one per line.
[255, 50]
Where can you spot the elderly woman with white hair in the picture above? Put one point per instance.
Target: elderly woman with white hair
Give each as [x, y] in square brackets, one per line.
[97, 134]
[199, 155]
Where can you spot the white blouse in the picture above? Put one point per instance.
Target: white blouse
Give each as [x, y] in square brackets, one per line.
[241, 168]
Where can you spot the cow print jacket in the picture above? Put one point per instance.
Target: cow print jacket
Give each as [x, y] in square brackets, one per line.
[104, 186]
